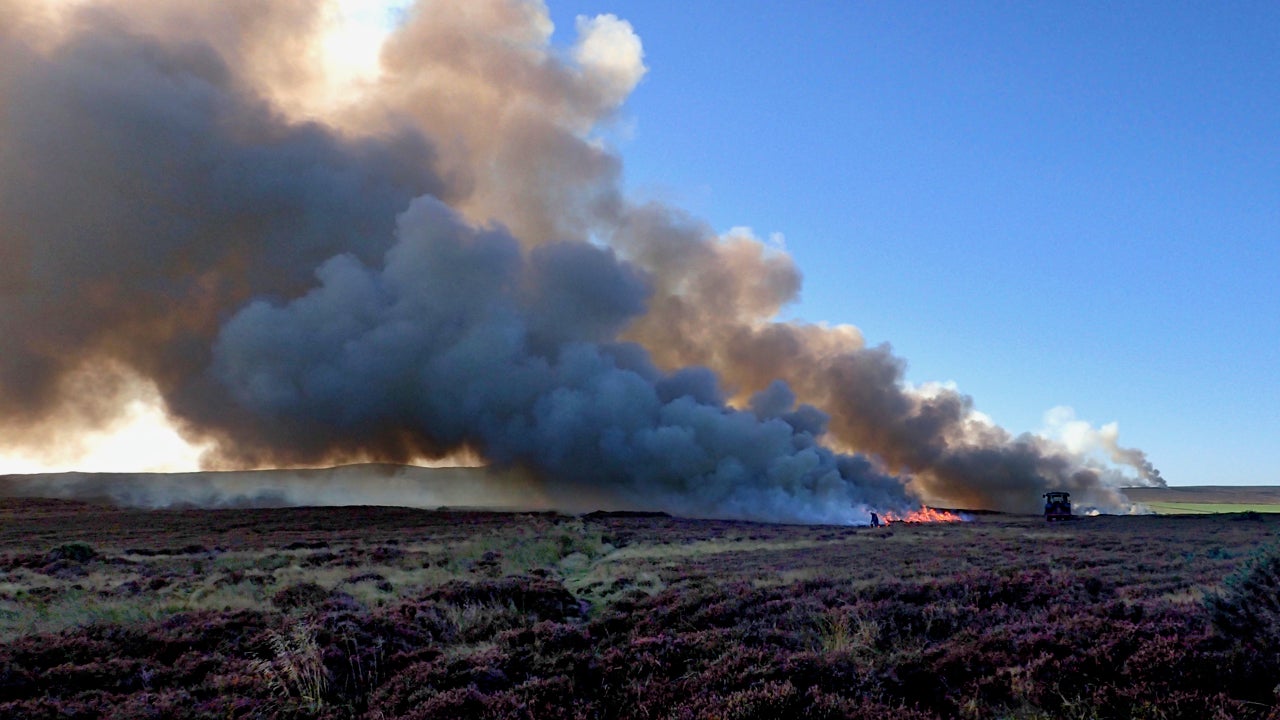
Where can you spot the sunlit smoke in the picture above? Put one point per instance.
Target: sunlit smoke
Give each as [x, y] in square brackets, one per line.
[1084, 439]
[306, 234]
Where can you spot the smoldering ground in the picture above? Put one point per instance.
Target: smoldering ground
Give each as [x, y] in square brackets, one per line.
[443, 261]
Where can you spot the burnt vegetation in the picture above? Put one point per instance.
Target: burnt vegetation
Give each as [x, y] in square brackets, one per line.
[391, 613]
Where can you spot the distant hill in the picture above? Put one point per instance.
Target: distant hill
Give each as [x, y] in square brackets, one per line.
[369, 484]
[1207, 494]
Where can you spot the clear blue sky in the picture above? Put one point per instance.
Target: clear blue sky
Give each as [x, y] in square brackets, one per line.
[1072, 203]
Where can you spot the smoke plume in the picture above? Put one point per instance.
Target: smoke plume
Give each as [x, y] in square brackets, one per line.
[441, 261]
[380, 485]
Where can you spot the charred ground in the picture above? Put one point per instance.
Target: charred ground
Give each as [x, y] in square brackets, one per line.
[390, 613]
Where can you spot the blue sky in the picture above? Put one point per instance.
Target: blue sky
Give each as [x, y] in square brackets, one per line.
[1046, 203]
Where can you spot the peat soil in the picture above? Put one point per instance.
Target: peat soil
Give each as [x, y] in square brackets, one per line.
[384, 613]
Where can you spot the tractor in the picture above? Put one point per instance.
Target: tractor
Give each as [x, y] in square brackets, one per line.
[1057, 506]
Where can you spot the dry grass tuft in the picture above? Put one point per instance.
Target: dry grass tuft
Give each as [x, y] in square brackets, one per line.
[296, 669]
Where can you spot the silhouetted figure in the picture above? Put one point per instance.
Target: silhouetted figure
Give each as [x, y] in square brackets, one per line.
[875, 520]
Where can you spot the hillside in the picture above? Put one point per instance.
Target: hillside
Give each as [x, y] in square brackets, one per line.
[1207, 494]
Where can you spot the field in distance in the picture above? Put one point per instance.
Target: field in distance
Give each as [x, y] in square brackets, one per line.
[1201, 499]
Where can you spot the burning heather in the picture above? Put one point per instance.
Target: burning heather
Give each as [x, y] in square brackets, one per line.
[431, 260]
[924, 514]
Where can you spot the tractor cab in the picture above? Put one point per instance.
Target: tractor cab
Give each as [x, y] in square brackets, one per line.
[1057, 506]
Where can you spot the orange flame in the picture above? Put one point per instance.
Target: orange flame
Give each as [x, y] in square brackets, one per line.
[923, 515]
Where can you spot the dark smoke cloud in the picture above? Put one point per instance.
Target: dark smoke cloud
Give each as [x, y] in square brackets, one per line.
[145, 193]
[457, 487]
[443, 263]
[713, 305]
[465, 340]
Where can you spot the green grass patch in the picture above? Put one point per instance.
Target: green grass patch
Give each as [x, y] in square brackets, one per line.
[1180, 508]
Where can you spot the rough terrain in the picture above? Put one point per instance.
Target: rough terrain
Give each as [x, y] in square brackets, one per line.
[396, 613]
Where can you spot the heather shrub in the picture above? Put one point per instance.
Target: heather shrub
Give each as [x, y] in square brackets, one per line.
[534, 598]
[1245, 612]
[1248, 605]
[300, 595]
[763, 701]
[77, 552]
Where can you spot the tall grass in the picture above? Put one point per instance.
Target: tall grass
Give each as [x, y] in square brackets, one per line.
[296, 668]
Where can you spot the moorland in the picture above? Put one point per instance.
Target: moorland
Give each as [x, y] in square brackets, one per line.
[1207, 498]
[361, 612]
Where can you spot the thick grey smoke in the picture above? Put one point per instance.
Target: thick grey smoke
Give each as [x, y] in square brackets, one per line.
[713, 305]
[145, 193]
[461, 339]
[379, 485]
[444, 262]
